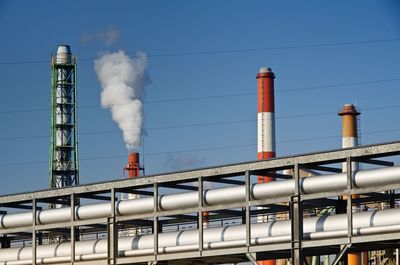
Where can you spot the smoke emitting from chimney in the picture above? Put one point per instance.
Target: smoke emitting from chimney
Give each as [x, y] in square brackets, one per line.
[123, 80]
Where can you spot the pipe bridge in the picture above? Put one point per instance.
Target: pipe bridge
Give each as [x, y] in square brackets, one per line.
[309, 210]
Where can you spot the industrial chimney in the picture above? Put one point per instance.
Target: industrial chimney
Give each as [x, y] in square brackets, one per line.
[349, 125]
[266, 117]
[133, 167]
[265, 128]
[350, 139]
[63, 133]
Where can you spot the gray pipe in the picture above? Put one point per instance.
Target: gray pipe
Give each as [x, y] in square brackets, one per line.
[372, 222]
[323, 183]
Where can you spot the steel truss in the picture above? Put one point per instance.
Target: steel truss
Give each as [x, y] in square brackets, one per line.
[63, 162]
[238, 174]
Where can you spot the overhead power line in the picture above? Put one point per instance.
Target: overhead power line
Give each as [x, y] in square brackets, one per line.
[229, 51]
[217, 123]
[202, 149]
[170, 100]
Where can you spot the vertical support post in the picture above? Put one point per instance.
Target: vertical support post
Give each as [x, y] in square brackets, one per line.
[296, 220]
[4, 242]
[200, 213]
[34, 252]
[349, 199]
[392, 199]
[112, 250]
[247, 218]
[155, 220]
[72, 198]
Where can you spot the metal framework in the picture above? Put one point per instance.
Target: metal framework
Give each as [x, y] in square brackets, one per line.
[246, 211]
[63, 162]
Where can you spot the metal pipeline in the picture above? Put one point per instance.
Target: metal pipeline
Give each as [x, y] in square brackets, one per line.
[323, 183]
[364, 223]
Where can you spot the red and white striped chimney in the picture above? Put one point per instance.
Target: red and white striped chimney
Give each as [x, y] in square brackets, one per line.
[265, 128]
[266, 117]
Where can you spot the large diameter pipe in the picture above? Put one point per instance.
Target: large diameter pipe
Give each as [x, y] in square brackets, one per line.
[372, 222]
[323, 183]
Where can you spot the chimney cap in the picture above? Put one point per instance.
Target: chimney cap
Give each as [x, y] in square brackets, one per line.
[63, 55]
[264, 70]
[349, 109]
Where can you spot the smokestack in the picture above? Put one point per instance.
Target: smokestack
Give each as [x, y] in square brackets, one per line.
[349, 130]
[349, 125]
[266, 117]
[265, 128]
[133, 167]
[350, 139]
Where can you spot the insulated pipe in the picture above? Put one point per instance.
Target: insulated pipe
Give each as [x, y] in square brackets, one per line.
[324, 227]
[322, 183]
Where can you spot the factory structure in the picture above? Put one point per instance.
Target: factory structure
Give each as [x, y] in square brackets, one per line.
[63, 162]
[332, 207]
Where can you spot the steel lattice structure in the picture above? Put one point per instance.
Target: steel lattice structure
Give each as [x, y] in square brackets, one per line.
[236, 196]
[63, 164]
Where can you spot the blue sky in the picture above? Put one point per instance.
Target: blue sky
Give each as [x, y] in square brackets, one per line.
[338, 51]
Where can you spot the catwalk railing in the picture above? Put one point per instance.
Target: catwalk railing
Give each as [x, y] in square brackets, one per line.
[142, 230]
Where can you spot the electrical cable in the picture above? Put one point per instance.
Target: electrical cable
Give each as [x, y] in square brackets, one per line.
[202, 124]
[202, 149]
[215, 96]
[228, 51]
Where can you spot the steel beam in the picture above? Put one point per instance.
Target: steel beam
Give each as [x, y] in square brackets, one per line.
[328, 157]
[343, 252]
[251, 258]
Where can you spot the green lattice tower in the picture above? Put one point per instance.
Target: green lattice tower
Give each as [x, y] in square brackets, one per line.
[63, 164]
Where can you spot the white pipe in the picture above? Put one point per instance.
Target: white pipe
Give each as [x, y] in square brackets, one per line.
[373, 222]
[322, 183]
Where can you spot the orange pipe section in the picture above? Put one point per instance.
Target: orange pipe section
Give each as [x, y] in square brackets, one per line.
[133, 167]
[349, 120]
[267, 262]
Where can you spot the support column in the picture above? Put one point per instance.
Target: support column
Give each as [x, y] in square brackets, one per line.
[112, 233]
[155, 220]
[72, 228]
[34, 251]
[200, 214]
[296, 217]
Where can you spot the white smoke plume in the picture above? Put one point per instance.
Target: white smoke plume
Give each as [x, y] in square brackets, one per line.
[123, 80]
